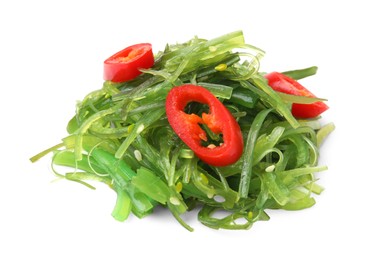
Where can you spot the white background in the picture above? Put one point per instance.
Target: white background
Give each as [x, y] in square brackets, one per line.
[51, 55]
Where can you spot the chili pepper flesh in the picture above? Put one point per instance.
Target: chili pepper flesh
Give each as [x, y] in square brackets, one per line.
[219, 120]
[283, 83]
[125, 65]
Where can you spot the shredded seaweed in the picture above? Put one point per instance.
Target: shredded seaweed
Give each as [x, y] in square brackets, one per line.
[120, 136]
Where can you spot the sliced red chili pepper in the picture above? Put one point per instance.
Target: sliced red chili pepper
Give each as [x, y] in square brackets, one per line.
[125, 64]
[282, 83]
[219, 120]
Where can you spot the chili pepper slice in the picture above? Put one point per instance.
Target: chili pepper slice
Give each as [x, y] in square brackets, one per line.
[125, 64]
[219, 120]
[282, 83]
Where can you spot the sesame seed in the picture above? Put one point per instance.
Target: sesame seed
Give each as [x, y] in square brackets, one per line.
[179, 186]
[270, 168]
[221, 67]
[174, 201]
[211, 146]
[219, 198]
[138, 155]
[140, 128]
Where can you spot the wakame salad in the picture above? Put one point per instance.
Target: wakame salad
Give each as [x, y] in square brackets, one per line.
[197, 126]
